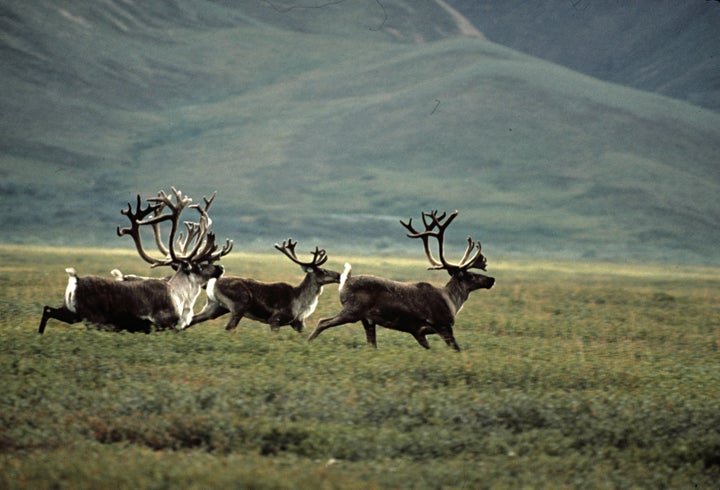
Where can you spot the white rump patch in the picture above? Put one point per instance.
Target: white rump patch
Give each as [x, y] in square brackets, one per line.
[70, 291]
[344, 276]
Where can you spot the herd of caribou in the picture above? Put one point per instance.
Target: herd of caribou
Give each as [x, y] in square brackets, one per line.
[136, 303]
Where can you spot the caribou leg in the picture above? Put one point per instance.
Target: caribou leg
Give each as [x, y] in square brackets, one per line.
[370, 333]
[297, 325]
[62, 314]
[447, 335]
[340, 319]
[420, 337]
[209, 312]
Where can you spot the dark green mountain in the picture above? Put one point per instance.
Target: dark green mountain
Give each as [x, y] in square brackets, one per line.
[330, 121]
[663, 46]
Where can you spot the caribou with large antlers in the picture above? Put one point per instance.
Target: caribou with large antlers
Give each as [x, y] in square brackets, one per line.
[275, 304]
[416, 308]
[166, 303]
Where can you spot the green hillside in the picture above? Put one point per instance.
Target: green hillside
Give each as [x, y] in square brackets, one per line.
[662, 46]
[330, 124]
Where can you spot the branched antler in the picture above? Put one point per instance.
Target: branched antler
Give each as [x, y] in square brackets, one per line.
[288, 248]
[199, 239]
[134, 229]
[207, 252]
[431, 220]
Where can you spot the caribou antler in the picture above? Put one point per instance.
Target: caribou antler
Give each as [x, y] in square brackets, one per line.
[432, 221]
[197, 231]
[429, 219]
[288, 248]
[209, 251]
[134, 229]
[199, 239]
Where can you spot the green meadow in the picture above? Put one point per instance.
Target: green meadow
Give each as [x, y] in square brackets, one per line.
[572, 375]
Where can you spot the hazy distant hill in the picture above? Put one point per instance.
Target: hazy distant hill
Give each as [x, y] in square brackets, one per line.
[329, 124]
[666, 46]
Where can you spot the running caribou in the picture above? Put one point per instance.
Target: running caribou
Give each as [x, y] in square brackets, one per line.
[416, 308]
[275, 304]
[137, 304]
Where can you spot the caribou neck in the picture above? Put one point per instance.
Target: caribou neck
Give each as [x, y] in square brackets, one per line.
[306, 297]
[185, 289]
[457, 291]
[308, 289]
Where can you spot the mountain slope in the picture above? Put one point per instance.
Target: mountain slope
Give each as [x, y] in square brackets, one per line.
[333, 138]
[662, 46]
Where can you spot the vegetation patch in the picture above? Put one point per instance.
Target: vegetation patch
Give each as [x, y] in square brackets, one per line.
[571, 374]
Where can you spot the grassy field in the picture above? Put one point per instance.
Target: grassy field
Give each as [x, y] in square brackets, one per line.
[572, 375]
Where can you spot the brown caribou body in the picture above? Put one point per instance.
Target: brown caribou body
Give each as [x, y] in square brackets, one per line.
[275, 304]
[138, 304]
[416, 308]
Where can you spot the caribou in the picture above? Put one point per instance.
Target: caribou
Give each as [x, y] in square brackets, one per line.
[416, 308]
[141, 302]
[275, 304]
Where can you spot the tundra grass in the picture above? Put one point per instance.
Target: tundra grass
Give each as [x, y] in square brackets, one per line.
[572, 375]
